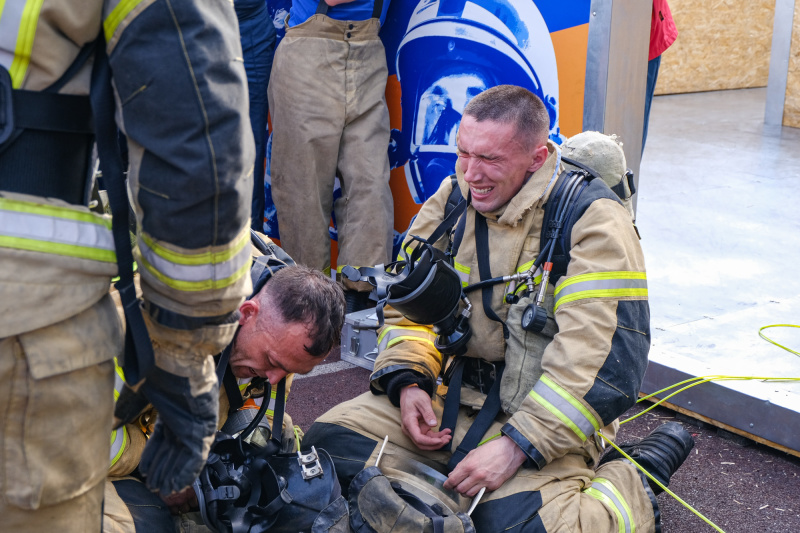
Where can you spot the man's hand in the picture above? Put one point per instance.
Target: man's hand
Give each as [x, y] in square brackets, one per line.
[488, 466]
[416, 411]
[181, 502]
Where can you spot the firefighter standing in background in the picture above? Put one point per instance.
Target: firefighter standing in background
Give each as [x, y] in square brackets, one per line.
[329, 118]
[180, 89]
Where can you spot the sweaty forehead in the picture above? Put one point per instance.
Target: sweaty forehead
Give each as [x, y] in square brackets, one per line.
[486, 137]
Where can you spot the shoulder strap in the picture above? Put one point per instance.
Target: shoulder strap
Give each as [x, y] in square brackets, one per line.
[265, 266]
[590, 190]
[453, 209]
[139, 359]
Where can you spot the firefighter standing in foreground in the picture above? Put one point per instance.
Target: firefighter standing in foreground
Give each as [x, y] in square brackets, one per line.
[180, 89]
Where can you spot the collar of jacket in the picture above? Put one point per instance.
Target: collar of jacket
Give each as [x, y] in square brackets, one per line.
[529, 196]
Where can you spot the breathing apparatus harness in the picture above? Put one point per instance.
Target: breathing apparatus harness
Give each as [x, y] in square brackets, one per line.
[414, 286]
[248, 485]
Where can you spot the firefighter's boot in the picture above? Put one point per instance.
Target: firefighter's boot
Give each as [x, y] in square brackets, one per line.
[661, 453]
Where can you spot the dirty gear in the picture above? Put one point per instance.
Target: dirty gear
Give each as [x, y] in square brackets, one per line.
[177, 449]
[248, 488]
[378, 504]
[661, 453]
[597, 321]
[190, 189]
[330, 77]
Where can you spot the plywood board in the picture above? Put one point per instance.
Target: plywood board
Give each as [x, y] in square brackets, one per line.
[722, 44]
[791, 107]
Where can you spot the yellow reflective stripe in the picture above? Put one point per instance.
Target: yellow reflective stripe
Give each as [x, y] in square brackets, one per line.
[56, 230]
[525, 266]
[402, 338]
[537, 276]
[24, 44]
[388, 329]
[565, 407]
[120, 373]
[602, 285]
[67, 213]
[196, 272]
[10, 18]
[392, 335]
[58, 249]
[198, 259]
[605, 491]
[119, 380]
[118, 449]
[117, 15]
[463, 273]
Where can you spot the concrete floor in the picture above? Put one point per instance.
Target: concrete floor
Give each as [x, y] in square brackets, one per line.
[718, 214]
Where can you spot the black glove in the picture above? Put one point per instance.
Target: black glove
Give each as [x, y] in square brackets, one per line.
[177, 451]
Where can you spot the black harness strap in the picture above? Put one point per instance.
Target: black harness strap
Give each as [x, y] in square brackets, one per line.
[139, 359]
[482, 245]
[453, 399]
[46, 138]
[489, 410]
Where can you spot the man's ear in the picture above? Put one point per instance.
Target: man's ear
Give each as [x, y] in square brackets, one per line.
[247, 311]
[538, 158]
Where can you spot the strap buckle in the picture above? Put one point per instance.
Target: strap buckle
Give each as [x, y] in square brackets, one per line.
[309, 464]
[479, 374]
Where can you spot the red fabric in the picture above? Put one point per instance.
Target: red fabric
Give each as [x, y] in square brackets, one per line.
[662, 29]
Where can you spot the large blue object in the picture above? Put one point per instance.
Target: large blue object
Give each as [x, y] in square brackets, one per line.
[443, 53]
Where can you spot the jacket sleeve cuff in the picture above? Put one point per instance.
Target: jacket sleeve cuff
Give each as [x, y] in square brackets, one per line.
[394, 382]
[535, 459]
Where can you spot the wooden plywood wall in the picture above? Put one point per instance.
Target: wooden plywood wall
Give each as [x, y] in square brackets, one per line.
[722, 44]
[791, 108]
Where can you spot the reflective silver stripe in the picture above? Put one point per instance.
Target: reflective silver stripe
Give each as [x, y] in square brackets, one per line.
[606, 492]
[10, 19]
[119, 439]
[195, 273]
[463, 273]
[391, 335]
[602, 285]
[564, 406]
[56, 230]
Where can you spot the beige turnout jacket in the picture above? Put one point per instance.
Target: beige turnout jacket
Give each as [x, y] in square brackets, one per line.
[574, 379]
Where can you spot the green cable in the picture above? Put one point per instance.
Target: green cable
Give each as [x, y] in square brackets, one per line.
[687, 384]
[297, 437]
[760, 334]
[697, 381]
[637, 465]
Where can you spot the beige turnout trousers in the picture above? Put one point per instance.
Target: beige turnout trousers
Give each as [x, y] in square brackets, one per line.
[329, 118]
[564, 496]
[55, 418]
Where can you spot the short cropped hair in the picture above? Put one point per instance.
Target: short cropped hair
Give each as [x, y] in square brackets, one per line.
[510, 104]
[307, 296]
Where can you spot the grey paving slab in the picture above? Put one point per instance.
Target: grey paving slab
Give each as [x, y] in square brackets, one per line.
[718, 214]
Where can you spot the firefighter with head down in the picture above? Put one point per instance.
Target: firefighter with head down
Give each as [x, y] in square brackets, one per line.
[528, 366]
[289, 324]
[169, 76]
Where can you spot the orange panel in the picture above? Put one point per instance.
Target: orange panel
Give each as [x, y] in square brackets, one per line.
[570, 46]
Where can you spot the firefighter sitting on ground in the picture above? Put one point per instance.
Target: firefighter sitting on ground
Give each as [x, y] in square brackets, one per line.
[288, 326]
[539, 456]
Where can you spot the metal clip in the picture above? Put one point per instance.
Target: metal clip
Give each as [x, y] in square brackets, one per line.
[309, 463]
